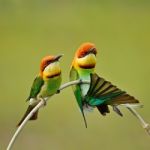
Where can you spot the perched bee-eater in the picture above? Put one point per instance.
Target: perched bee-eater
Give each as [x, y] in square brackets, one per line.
[99, 93]
[46, 83]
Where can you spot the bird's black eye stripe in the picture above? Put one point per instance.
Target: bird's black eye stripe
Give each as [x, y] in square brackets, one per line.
[47, 63]
[50, 61]
[85, 53]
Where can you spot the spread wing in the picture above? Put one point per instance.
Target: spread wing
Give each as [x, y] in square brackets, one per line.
[102, 91]
[36, 87]
[77, 91]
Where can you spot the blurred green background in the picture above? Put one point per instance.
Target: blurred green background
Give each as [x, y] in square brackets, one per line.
[31, 29]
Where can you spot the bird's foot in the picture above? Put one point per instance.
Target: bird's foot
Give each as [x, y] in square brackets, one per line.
[58, 91]
[44, 100]
[117, 110]
[80, 81]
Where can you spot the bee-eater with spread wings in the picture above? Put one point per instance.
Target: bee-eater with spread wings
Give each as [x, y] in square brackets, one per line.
[99, 93]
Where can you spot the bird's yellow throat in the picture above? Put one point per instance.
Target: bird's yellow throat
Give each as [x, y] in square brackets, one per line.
[52, 70]
[88, 61]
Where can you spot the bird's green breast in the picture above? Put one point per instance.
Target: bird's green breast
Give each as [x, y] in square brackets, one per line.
[50, 86]
[84, 74]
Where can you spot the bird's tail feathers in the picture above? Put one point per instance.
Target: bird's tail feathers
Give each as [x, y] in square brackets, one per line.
[84, 119]
[29, 109]
[117, 110]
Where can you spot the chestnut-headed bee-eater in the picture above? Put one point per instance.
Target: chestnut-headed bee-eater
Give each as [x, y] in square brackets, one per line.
[99, 93]
[46, 83]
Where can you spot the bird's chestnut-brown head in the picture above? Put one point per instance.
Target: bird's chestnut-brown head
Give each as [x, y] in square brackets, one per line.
[50, 66]
[85, 56]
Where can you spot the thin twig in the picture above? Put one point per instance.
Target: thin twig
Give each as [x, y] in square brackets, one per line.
[19, 129]
[37, 107]
[73, 83]
[145, 125]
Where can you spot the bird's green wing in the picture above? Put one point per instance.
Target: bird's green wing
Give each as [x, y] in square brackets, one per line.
[77, 91]
[103, 92]
[36, 87]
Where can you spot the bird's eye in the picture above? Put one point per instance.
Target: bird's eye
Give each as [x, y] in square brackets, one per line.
[48, 62]
[51, 61]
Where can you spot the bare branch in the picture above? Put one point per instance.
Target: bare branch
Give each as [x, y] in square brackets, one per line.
[19, 129]
[145, 125]
[37, 107]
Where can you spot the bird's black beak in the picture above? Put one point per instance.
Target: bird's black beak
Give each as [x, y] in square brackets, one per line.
[58, 57]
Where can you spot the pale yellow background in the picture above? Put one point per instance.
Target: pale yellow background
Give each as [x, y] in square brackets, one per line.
[31, 29]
